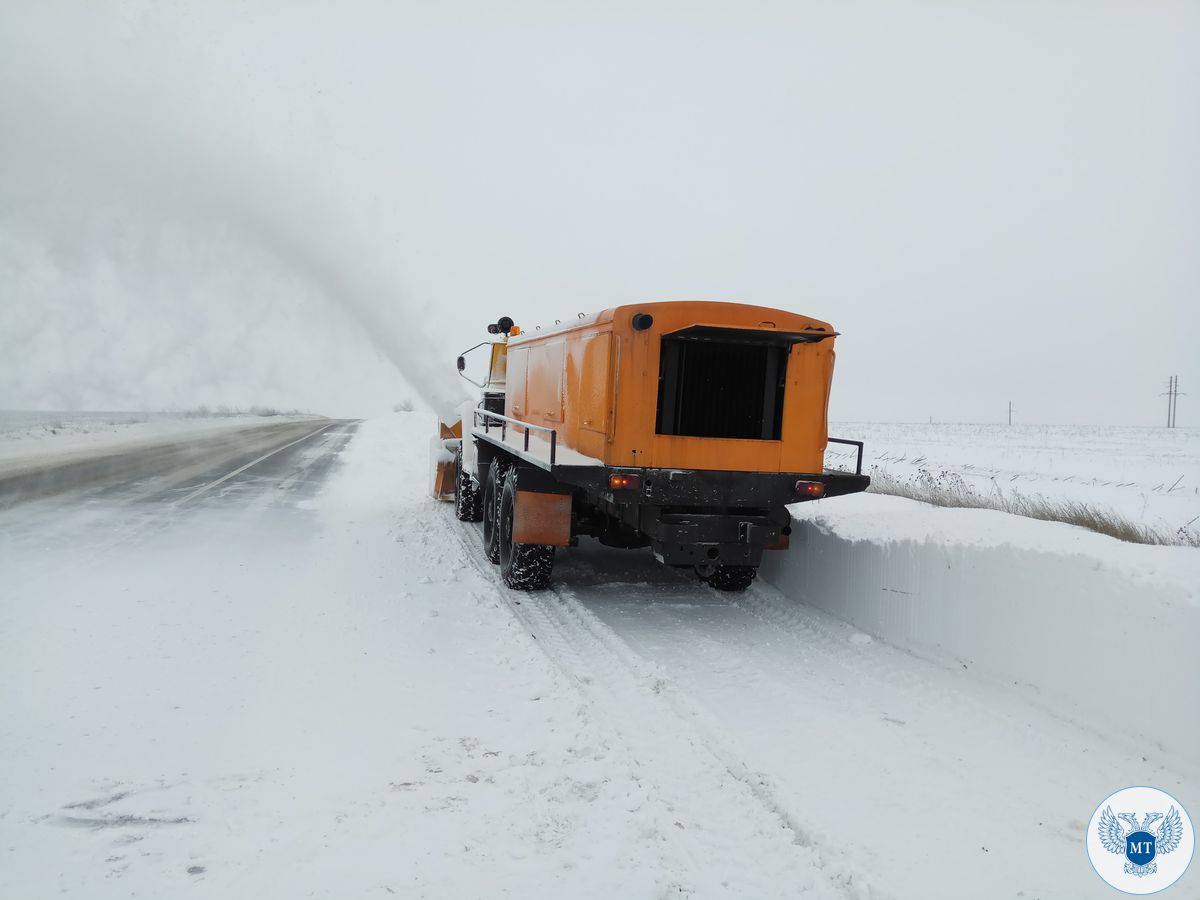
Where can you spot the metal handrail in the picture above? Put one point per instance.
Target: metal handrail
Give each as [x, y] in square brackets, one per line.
[858, 444]
[504, 420]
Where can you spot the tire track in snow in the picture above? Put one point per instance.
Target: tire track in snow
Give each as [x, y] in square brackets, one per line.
[862, 737]
[652, 677]
[688, 766]
[923, 682]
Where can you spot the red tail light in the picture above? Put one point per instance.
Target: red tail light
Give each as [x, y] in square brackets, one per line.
[810, 489]
[619, 482]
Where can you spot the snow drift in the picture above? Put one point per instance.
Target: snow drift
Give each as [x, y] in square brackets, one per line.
[1102, 631]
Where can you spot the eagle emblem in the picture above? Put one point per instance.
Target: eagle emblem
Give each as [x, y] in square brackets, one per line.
[1140, 842]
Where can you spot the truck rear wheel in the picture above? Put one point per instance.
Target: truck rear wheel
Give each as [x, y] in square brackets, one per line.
[732, 578]
[491, 511]
[525, 567]
[468, 506]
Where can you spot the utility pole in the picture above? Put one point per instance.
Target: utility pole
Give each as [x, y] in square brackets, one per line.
[1172, 396]
[1009, 412]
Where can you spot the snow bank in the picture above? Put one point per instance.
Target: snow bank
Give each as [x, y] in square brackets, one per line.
[1102, 631]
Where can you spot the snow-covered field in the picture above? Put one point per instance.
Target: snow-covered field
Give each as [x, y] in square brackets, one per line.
[1148, 475]
[307, 681]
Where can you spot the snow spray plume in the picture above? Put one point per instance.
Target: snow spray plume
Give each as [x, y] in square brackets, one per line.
[115, 140]
[391, 321]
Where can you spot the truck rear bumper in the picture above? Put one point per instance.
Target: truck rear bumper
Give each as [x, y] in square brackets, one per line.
[736, 537]
[707, 518]
[707, 488]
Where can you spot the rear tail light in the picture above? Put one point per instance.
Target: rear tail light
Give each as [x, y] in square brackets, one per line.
[619, 482]
[810, 489]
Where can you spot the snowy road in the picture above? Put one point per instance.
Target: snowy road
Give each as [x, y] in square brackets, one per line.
[174, 470]
[861, 750]
[305, 680]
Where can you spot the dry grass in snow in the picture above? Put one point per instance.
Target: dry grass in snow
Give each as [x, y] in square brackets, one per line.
[951, 489]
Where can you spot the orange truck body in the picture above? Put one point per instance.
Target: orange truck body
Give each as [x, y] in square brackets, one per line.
[685, 427]
[594, 381]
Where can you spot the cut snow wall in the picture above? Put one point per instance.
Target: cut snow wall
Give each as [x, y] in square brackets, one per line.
[1103, 632]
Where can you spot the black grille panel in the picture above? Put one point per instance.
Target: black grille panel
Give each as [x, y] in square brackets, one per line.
[721, 389]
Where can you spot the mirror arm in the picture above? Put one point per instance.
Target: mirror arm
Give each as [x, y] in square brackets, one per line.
[462, 363]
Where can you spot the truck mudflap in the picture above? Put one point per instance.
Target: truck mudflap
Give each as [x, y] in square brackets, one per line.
[542, 519]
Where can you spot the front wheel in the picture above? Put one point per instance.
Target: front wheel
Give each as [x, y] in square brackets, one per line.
[525, 567]
[732, 578]
[468, 506]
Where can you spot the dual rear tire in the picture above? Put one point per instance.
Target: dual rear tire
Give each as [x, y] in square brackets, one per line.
[527, 567]
[524, 567]
[731, 578]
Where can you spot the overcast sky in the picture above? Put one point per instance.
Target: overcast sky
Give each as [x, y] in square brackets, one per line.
[317, 205]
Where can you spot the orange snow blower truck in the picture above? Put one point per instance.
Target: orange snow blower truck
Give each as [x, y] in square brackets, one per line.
[686, 427]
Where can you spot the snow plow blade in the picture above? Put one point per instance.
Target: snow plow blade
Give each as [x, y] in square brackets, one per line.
[442, 468]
